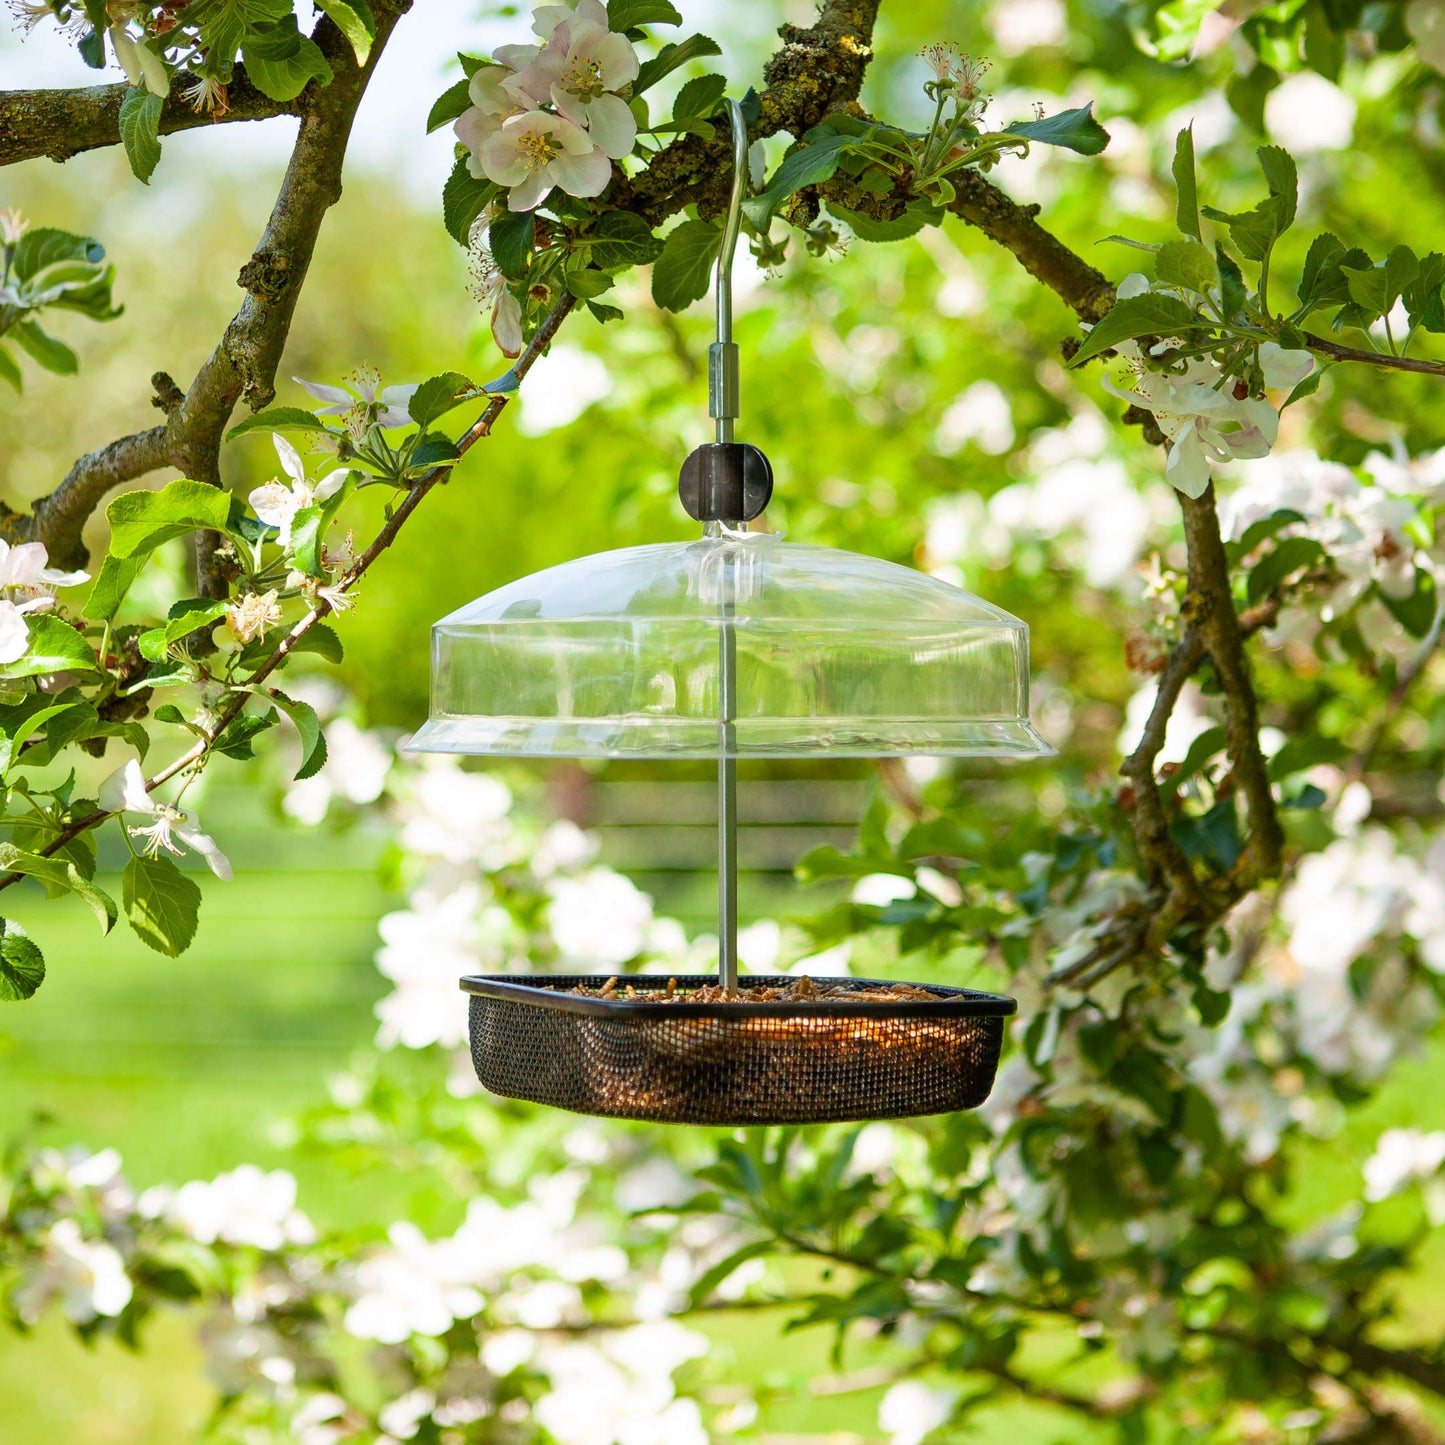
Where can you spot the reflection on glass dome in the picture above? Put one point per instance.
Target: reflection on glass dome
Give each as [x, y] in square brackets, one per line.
[618, 655]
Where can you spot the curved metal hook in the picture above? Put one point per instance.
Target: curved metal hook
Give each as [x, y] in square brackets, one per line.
[723, 354]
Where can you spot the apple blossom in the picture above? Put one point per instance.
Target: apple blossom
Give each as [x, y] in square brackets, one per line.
[124, 792]
[277, 504]
[584, 64]
[534, 152]
[360, 402]
[492, 289]
[88, 1275]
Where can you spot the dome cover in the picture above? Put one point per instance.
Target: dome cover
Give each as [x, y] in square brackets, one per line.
[618, 655]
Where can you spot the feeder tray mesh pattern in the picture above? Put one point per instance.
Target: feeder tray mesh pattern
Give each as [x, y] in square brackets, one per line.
[733, 1063]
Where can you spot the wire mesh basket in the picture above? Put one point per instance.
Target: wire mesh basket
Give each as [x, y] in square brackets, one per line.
[733, 1063]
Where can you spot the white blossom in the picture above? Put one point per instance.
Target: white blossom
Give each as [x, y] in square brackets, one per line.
[254, 614]
[87, 1276]
[1199, 415]
[425, 949]
[457, 816]
[583, 65]
[533, 152]
[911, 1410]
[141, 64]
[277, 503]
[246, 1206]
[23, 570]
[598, 920]
[494, 292]
[1401, 1157]
[416, 1287]
[402, 1418]
[360, 402]
[124, 792]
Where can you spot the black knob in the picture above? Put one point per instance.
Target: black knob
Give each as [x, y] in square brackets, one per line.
[725, 482]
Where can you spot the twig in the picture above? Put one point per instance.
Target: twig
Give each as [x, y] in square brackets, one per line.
[321, 608]
[1337, 352]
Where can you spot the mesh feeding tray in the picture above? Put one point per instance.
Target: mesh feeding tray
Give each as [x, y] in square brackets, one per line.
[778, 1062]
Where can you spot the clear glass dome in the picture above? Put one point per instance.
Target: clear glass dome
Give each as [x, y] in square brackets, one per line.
[629, 654]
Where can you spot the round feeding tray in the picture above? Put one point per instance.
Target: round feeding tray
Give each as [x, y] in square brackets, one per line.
[789, 1062]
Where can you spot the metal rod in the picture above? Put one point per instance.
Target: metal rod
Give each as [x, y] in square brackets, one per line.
[722, 369]
[727, 789]
[723, 407]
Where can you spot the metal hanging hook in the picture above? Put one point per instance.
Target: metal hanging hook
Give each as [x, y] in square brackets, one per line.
[726, 480]
[722, 355]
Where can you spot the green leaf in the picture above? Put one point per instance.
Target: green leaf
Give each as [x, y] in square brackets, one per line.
[670, 57]
[1204, 747]
[702, 1290]
[699, 98]
[1260, 531]
[1415, 613]
[278, 418]
[1187, 264]
[162, 905]
[111, 584]
[1375, 289]
[1306, 386]
[1323, 260]
[53, 355]
[70, 724]
[59, 875]
[1306, 752]
[308, 727]
[235, 742]
[436, 396]
[1422, 294]
[464, 198]
[434, 450]
[681, 273]
[310, 526]
[867, 228]
[1282, 179]
[1289, 556]
[54, 647]
[1186, 189]
[622, 239]
[451, 103]
[10, 370]
[1232, 291]
[45, 246]
[629, 14]
[281, 63]
[806, 166]
[355, 21]
[511, 237]
[1074, 130]
[140, 129]
[15, 738]
[587, 283]
[323, 640]
[22, 965]
[1247, 94]
[141, 521]
[1148, 315]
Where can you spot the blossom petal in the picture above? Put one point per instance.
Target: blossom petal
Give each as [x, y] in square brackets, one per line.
[333, 394]
[290, 459]
[329, 486]
[1136, 283]
[502, 162]
[581, 175]
[611, 125]
[124, 791]
[51, 577]
[274, 504]
[1284, 368]
[531, 193]
[616, 57]
[507, 323]
[23, 564]
[14, 634]
[1187, 469]
[206, 846]
[475, 127]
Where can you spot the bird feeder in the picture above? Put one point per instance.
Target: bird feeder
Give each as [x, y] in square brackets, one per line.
[735, 645]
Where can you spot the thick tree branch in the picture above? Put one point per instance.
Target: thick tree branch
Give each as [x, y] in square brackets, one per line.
[58, 124]
[244, 363]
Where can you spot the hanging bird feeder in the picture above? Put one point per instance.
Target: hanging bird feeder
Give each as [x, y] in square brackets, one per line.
[737, 645]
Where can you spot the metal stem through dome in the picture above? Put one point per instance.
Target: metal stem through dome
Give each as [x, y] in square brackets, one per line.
[723, 407]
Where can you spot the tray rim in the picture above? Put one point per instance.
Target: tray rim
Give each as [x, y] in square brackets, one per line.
[543, 991]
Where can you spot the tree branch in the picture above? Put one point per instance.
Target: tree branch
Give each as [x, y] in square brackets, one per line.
[245, 361]
[321, 608]
[1383, 359]
[59, 124]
